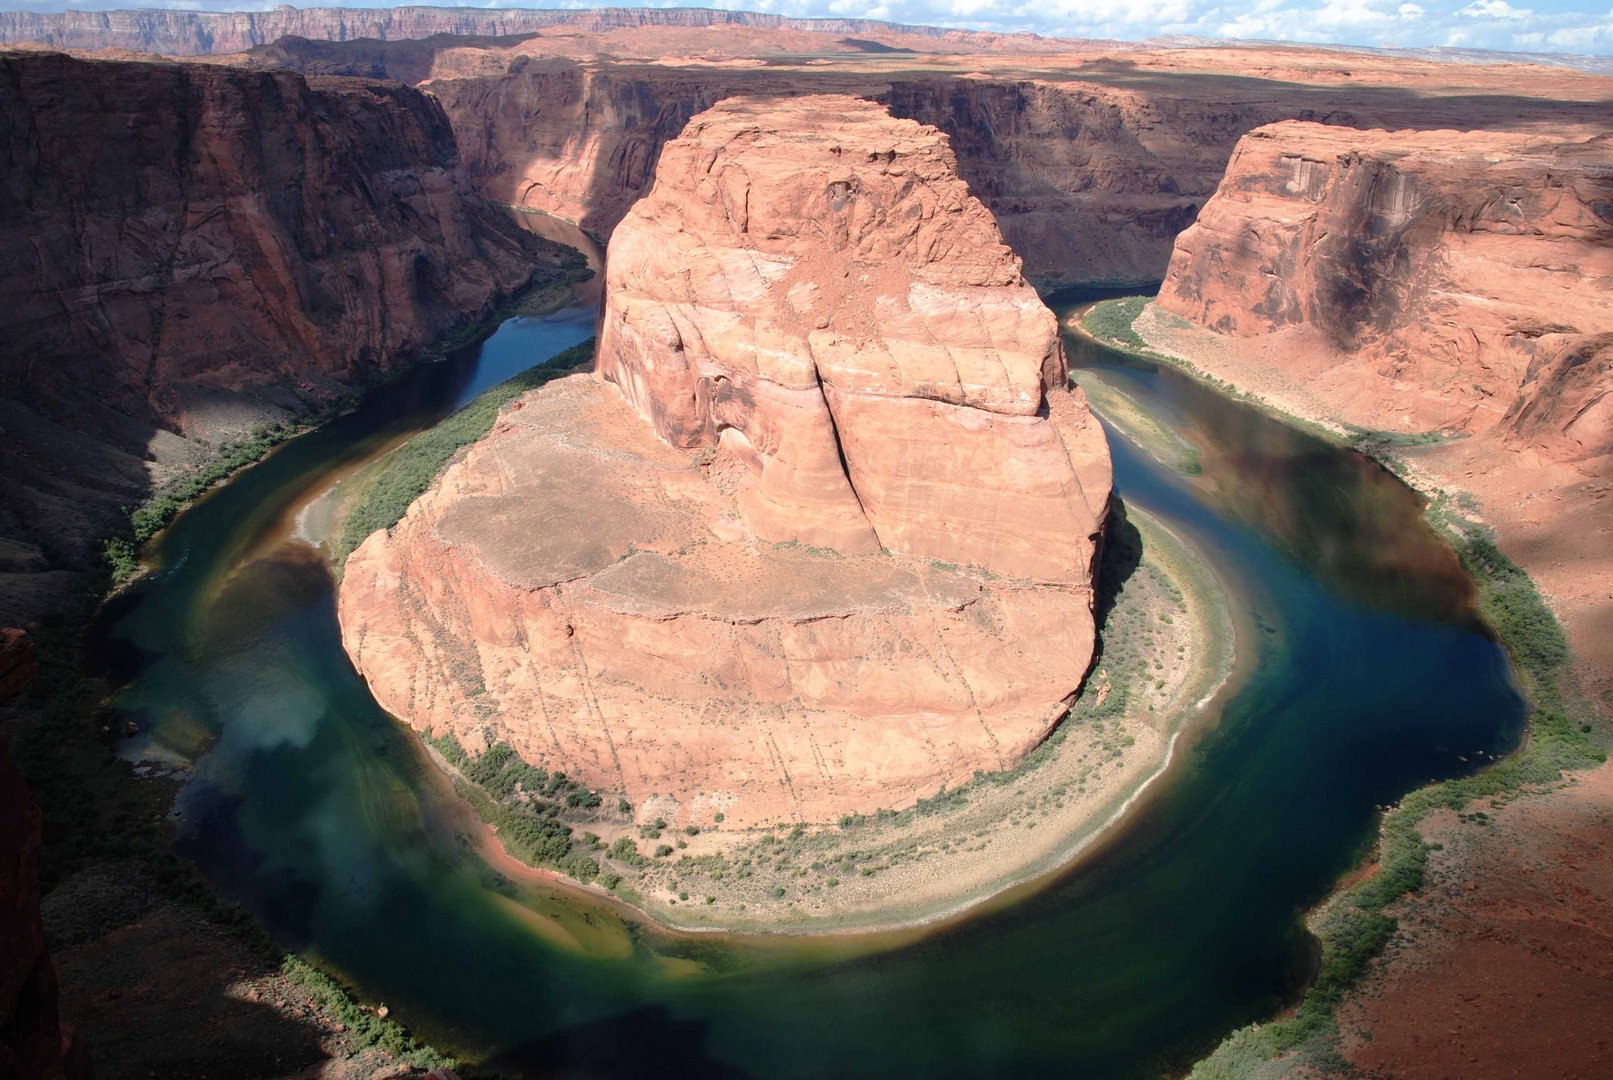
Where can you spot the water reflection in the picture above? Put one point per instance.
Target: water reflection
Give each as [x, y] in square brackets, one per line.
[1342, 516]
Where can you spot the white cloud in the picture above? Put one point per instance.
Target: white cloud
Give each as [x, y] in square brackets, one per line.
[1494, 9]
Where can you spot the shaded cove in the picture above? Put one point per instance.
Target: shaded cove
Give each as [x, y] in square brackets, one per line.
[1363, 673]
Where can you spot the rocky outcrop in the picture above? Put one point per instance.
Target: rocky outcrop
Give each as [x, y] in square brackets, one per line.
[1445, 280]
[825, 543]
[189, 251]
[811, 287]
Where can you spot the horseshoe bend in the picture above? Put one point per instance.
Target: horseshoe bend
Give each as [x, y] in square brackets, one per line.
[816, 538]
[754, 654]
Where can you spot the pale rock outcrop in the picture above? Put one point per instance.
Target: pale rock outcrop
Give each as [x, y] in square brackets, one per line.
[827, 543]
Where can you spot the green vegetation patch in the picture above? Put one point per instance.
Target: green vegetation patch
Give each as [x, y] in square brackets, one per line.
[122, 551]
[526, 804]
[406, 473]
[361, 1023]
[1110, 321]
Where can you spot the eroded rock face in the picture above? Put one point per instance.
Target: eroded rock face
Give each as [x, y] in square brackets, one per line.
[1087, 183]
[203, 32]
[1448, 280]
[188, 251]
[824, 545]
[810, 287]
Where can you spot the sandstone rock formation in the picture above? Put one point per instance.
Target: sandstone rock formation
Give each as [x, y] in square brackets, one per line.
[178, 33]
[826, 546]
[810, 286]
[1437, 271]
[191, 250]
[1092, 156]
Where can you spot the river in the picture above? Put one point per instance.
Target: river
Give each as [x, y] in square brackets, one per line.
[1366, 675]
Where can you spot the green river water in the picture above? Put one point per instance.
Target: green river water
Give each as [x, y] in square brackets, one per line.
[1365, 674]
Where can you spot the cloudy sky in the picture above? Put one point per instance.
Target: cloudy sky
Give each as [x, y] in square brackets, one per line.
[1574, 26]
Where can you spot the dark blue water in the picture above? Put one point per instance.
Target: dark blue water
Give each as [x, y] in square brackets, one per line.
[1366, 675]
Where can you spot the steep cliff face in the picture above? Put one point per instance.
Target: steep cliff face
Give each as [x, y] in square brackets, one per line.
[1438, 272]
[1431, 281]
[191, 250]
[824, 540]
[1091, 159]
[1085, 182]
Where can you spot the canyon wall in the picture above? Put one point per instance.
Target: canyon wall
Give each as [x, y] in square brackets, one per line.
[188, 251]
[1090, 161]
[1087, 183]
[817, 538]
[33, 1041]
[178, 33]
[1447, 293]
[1447, 280]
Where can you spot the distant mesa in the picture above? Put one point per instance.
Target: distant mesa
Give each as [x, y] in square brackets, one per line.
[817, 538]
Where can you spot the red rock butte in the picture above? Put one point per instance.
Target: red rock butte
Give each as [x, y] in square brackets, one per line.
[819, 536]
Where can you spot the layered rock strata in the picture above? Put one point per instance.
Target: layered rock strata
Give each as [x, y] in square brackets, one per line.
[187, 251]
[206, 32]
[811, 287]
[1443, 280]
[819, 537]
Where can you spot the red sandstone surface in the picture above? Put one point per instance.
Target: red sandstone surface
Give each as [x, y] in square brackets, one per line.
[811, 288]
[1092, 156]
[1503, 966]
[827, 544]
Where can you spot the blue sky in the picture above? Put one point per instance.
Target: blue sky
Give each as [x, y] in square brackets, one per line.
[1575, 26]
